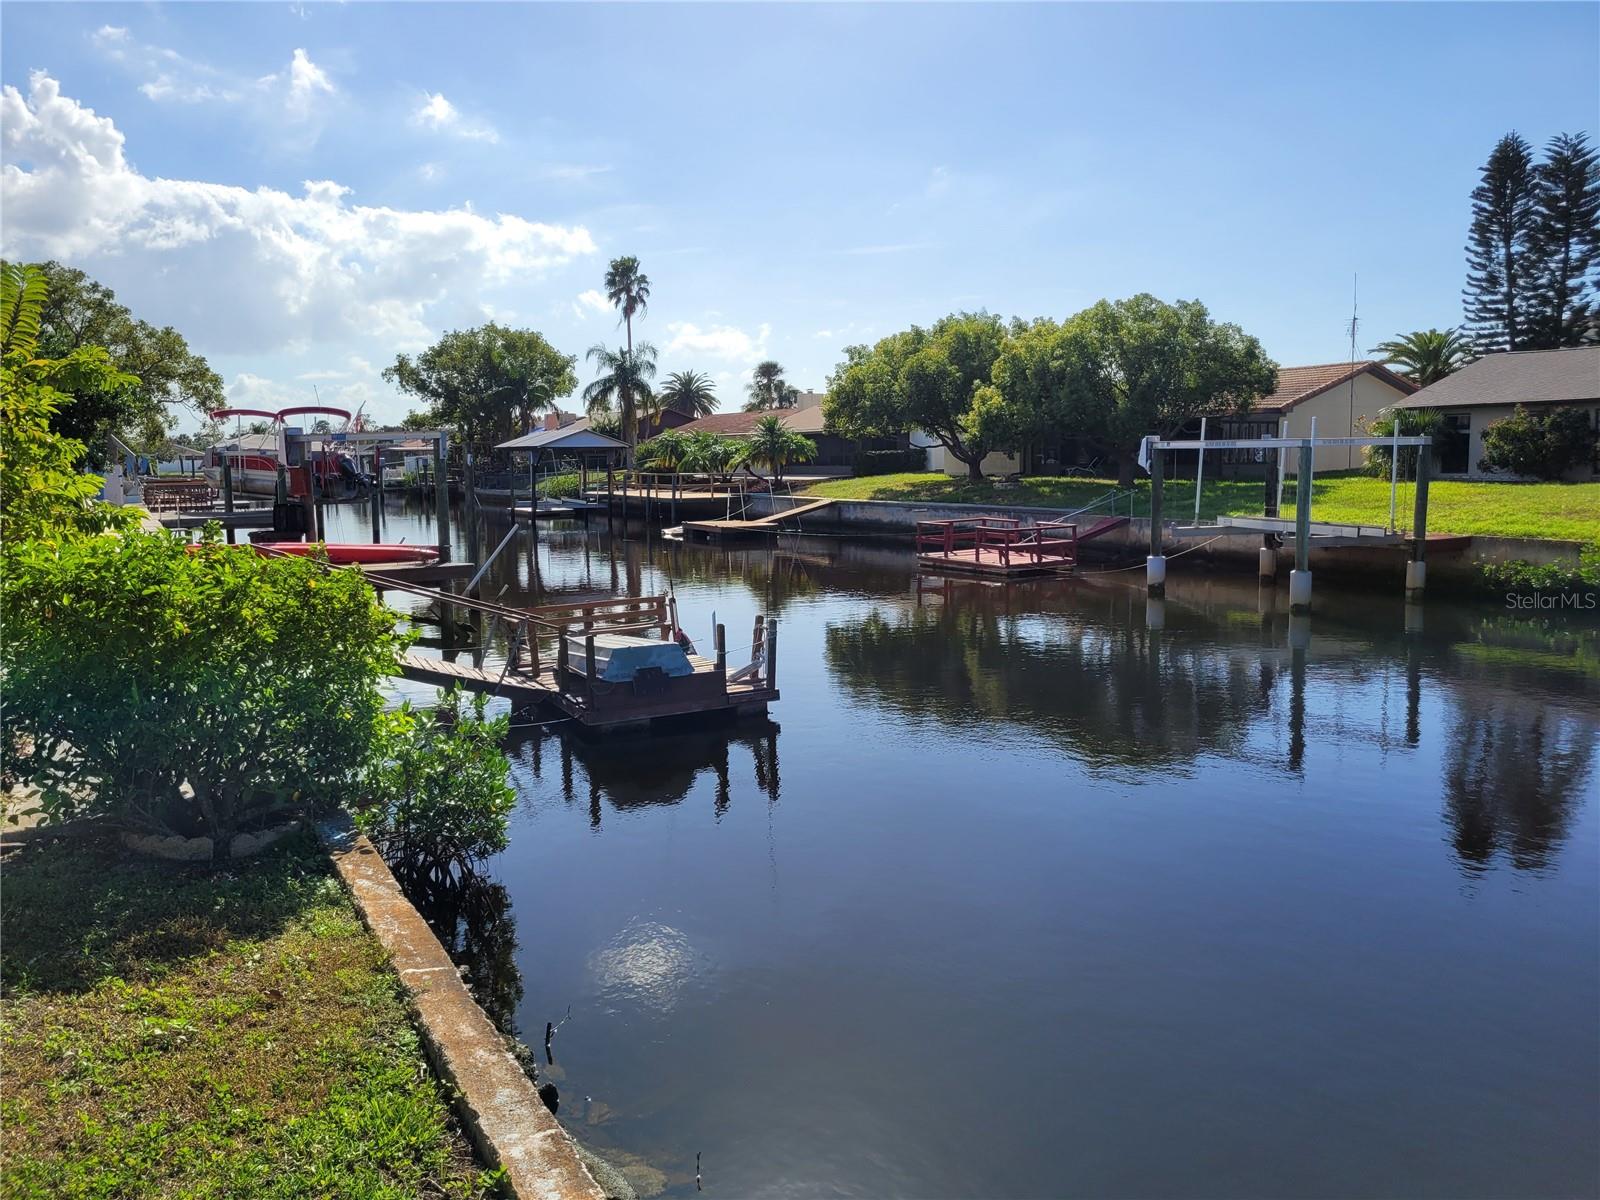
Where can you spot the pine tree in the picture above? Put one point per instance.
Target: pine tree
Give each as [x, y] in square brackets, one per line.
[1565, 243]
[1498, 252]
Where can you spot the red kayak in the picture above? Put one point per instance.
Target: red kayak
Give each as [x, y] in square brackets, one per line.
[344, 554]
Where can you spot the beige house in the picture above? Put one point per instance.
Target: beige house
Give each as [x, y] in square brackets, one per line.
[1489, 390]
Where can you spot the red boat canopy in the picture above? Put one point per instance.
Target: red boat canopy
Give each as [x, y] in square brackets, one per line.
[313, 408]
[218, 414]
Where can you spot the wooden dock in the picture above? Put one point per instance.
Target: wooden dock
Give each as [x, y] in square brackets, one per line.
[572, 684]
[767, 526]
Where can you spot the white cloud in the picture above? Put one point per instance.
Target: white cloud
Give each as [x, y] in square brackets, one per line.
[169, 77]
[726, 342]
[437, 113]
[250, 270]
[823, 333]
[307, 81]
[590, 302]
[429, 171]
[575, 172]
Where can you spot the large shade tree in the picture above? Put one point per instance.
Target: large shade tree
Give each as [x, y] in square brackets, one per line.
[931, 380]
[1124, 369]
[1427, 355]
[487, 383]
[156, 376]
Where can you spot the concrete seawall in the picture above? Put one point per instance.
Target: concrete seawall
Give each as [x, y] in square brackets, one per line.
[897, 520]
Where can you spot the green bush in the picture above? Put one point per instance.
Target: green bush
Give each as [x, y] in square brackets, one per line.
[890, 462]
[556, 487]
[437, 799]
[1413, 422]
[189, 692]
[1545, 444]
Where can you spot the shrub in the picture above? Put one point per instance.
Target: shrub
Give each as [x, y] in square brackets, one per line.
[189, 693]
[1545, 444]
[1413, 422]
[555, 487]
[437, 800]
[890, 462]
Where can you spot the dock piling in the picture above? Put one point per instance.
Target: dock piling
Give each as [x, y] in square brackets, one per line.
[772, 652]
[441, 496]
[1417, 568]
[1300, 577]
[227, 495]
[1155, 565]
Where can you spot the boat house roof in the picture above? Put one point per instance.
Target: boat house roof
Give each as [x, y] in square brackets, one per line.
[568, 438]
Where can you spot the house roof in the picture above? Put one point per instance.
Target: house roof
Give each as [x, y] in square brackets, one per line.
[743, 424]
[1518, 377]
[1299, 384]
[572, 437]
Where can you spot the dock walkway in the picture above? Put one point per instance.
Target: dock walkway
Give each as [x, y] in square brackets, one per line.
[716, 530]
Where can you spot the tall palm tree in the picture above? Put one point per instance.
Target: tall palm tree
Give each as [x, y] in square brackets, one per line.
[689, 392]
[623, 383]
[768, 389]
[1428, 355]
[774, 445]
[628, 289]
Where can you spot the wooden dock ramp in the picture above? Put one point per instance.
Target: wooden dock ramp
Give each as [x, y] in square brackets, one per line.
[754, 526]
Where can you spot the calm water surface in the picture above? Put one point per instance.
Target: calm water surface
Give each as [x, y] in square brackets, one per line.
[1020, 895]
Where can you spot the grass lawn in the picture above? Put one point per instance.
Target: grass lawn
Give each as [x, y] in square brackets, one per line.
[1548, 510]
[169, 1031]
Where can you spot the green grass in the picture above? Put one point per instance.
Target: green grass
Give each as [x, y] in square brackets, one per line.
[171, 1031]
[1543, 510]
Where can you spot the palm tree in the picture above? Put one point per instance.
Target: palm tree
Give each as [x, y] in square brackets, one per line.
[689, 392]
[708, 454]
[1428, 355]
[768, 389]
[665, 452]
[774, 445]
[628, 289]
[623, 384]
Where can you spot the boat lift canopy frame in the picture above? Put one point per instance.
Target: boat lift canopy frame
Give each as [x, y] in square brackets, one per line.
[441, 449]
[1152, 448]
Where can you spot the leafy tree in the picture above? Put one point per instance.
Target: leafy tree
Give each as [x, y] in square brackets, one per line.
[155, 370]
[927, 379]
[190, 693]
[42, 493]
[1427, 355]
[1121, 370]
[1564, 244]
[623, 384]
[1545, 443]
[1500, 270]
[628, 289]
[487, 382]
[689, 392]
[773, 445]
[768, 389]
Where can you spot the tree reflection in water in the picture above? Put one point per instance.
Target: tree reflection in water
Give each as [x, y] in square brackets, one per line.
[471, 917]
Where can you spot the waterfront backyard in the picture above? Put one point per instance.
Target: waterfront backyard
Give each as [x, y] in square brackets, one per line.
[1044, 889]
[1568, 511]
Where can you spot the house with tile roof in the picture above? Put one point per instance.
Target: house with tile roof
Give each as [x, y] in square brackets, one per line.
[834, 453]
[1344, 398]
[1489, 389]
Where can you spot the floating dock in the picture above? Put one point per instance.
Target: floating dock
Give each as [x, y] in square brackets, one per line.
[767, 526]
[1003, 547]
[573, 683]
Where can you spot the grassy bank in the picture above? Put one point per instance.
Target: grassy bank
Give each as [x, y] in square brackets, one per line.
[169, 1031]
[1543, 510]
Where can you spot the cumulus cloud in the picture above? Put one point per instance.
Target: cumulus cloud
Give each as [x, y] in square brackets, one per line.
[438, 114]
[307, 81]
[590, 302]
[244, 269]
[726, 342]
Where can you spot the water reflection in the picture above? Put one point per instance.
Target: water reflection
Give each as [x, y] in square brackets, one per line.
[471, 916]
[637, 773]
[646, 966]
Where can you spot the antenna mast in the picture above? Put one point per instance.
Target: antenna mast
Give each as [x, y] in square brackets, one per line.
[1355, 323]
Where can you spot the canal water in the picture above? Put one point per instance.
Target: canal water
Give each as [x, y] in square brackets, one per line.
[1044, 890]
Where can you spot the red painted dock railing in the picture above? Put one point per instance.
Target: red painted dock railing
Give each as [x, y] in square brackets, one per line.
[999, 542]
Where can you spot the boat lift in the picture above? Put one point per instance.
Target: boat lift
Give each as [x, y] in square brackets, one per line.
[441, 448]
[1301, 528]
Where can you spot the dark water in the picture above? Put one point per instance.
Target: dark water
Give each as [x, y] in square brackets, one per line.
[1018, 895]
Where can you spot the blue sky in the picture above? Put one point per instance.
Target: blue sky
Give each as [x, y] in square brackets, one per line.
[794, 178]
